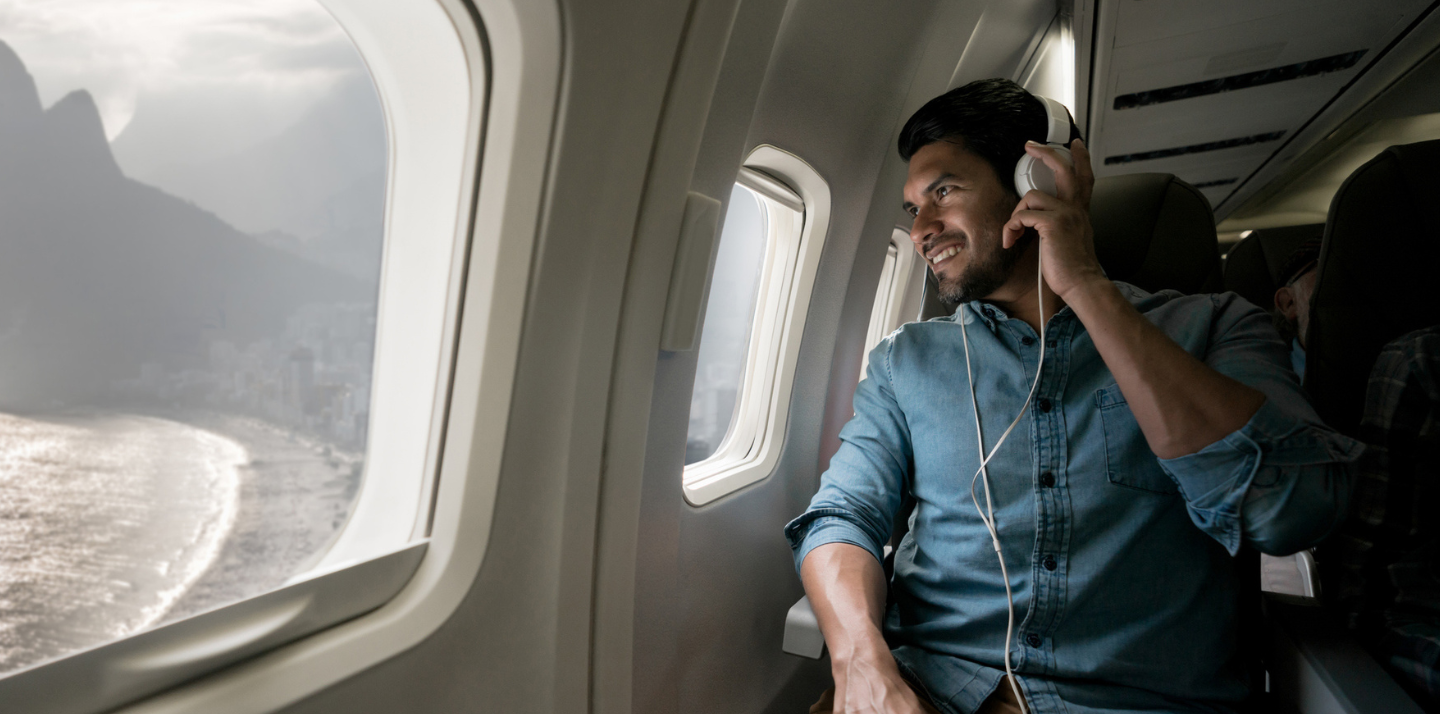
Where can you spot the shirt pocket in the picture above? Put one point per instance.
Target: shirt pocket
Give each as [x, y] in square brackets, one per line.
[1129, 462]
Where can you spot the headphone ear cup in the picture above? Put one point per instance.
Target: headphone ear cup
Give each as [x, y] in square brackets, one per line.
[1031, 174]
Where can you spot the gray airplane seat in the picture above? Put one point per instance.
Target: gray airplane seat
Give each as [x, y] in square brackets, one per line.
[1253, 266]
[1153, 231]
[1376, 275]
[1373, 285]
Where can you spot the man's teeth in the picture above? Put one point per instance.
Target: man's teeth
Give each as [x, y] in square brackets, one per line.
[942, 255]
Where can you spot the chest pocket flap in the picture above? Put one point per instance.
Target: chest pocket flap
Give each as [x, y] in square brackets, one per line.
[1129, 462]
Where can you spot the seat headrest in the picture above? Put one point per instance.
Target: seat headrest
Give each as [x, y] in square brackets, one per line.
[1153, 231]
[1252, 267]
[1375, 279]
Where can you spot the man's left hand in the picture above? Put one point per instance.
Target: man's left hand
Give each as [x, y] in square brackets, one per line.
[1067, 242]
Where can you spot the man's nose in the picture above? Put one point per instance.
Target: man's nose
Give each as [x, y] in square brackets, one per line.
[925, 226]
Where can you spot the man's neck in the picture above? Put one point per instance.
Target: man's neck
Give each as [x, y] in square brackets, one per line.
[1017, 296]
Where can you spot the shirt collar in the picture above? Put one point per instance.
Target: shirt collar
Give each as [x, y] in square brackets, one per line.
[993, 314]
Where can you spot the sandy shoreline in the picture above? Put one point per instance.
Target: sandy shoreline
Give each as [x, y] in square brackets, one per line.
[295, 495]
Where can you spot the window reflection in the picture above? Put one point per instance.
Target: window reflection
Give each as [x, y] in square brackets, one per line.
[191, 221]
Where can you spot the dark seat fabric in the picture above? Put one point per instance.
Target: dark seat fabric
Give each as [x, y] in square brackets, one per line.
[1376, 274]
[1153, 231]
[1252, 267]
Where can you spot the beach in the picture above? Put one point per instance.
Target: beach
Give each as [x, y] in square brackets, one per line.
[111, 523]
[295, 495]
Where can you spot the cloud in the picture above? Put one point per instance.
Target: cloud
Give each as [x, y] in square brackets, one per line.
[273, 50]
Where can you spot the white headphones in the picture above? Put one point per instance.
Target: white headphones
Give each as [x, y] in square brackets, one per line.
[1032, 173]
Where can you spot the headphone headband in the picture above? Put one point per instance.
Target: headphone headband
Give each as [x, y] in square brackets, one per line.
[1030, 172]
[1057, 121]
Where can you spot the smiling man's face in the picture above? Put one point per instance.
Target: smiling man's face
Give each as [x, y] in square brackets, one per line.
[959, 207]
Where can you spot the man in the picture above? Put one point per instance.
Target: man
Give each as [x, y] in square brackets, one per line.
[1292, 300]
[1382, 567]
[1163, 434]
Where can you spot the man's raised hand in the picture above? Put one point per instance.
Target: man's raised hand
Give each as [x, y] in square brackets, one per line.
[1067, 242]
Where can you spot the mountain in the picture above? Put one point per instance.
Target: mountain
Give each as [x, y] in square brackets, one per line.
[100, 273]
[351, 243]
[321, 177]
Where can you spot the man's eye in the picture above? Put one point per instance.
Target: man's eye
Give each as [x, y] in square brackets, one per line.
[913, 211]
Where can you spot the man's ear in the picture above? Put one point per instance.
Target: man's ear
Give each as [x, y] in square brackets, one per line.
[1285, 302]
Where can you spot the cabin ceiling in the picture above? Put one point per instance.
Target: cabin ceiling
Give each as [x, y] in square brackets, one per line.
[1212, 92]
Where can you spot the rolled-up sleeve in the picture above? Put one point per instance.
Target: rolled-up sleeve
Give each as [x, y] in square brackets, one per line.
[863, 488]
[1282, 481]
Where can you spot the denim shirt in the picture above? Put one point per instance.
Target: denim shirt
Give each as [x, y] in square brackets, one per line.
[1125, 588]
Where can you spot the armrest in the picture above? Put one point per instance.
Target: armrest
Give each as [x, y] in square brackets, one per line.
[1309, 573]
[1319, 667]
[1290, 574]
[802, 631]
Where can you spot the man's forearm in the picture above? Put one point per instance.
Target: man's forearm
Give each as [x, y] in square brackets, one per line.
[846, 588]
[1181, 404]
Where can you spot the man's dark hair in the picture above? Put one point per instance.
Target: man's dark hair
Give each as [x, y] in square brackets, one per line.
[991, 117]
[1299, 262]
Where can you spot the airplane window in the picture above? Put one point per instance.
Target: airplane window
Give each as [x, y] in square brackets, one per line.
[898, 294]
[191, 223]
[764, 270]
[729, 315]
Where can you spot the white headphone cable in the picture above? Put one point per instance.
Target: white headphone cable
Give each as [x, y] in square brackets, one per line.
[987, 516]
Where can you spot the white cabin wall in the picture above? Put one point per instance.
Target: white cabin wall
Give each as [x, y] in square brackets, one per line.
[664, 380]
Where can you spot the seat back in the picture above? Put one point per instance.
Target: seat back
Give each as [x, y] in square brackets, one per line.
[1252, 267]
[1153, 231]
[1375, 279]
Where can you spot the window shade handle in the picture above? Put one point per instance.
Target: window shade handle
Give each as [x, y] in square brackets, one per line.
[687, 278]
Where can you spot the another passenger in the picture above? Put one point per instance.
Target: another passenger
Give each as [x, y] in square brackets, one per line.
[1382, 568]
[1292, 300]
[1164, 433]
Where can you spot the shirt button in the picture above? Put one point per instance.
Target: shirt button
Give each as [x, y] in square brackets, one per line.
[1050, 563]
[1027, 341]
[1047, 479]
[1032, 639]
[1044, 405]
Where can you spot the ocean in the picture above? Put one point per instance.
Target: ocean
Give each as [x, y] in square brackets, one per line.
[106, 521]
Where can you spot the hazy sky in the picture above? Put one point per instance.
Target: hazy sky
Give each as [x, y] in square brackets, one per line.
[210, 58]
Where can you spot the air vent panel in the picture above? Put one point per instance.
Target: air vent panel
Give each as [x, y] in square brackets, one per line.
[1194, 148]
[1298, 70]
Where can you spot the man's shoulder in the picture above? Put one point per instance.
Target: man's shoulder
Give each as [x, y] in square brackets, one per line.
[1212, 306]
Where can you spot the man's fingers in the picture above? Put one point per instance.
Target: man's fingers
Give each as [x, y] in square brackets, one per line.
[1019, 221]
[1065, 182]
[1036, 199]
[1013, 228]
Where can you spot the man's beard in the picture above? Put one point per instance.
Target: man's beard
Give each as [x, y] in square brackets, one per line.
[985, 274]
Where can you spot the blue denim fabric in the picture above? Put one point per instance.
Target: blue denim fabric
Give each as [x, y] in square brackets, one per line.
[1125, 590]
